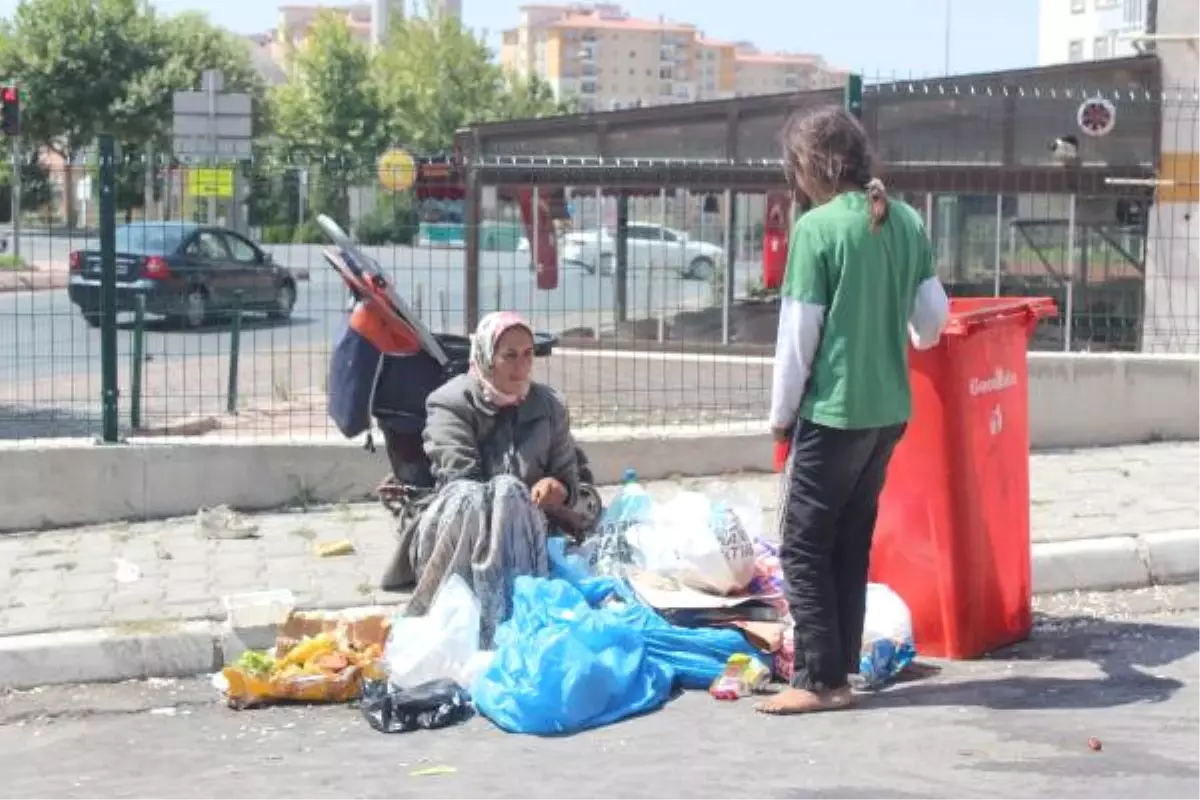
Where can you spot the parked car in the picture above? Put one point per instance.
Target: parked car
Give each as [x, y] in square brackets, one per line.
[186, 272]
[650, 246]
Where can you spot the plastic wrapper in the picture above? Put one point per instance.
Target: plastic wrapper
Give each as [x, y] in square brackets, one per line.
[317, 659]
[887, 636]
[743, 676]
[433, 705]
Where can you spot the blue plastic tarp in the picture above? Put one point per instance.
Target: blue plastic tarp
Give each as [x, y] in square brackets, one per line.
[580, 651]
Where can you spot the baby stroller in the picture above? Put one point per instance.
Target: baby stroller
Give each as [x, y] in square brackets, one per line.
[386, 363]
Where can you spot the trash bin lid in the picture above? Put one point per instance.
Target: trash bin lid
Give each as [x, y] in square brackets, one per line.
[970, 313]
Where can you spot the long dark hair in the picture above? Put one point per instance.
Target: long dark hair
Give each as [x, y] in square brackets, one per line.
[824, 151]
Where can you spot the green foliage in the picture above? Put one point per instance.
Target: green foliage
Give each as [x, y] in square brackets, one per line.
[436, 77]
[188, 44]
[274, 198]
[309, 233]
[75, 59]
[110, 66]
[394, 220]
[329, 114]
[531, 97]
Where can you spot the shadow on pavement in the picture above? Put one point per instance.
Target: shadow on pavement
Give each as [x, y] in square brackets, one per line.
[26, 422]
[1123, 651]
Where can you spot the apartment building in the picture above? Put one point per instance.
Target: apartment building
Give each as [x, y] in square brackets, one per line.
[1085, 30]
[611, 60]
[296, 21]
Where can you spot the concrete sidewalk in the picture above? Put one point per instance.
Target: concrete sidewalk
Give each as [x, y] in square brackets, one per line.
[1102, 519]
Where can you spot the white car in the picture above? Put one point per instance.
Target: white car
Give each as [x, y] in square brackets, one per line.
[650, 246]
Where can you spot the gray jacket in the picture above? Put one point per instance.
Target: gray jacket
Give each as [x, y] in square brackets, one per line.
[465, 438]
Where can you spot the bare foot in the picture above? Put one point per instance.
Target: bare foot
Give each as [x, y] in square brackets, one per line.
[802, 701]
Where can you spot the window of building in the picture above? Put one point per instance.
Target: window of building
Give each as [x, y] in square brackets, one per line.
[1078, 6]
[1135, 13]
[666, 73]
[587, 87]
[1075, 50]
[1100, 47]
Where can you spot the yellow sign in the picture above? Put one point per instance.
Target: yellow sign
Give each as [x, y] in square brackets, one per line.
[397, 170]
[209, 182]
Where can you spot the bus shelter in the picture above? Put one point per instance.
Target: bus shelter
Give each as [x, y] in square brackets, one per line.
[1021, 171]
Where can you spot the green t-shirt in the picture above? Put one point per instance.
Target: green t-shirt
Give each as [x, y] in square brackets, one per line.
[866, 282]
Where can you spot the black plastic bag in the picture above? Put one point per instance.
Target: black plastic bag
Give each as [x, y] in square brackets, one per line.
[432, 705]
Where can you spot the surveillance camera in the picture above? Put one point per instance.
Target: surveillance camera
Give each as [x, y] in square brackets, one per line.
[1065, 148]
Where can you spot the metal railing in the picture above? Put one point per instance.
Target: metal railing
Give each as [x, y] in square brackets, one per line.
[685, 338]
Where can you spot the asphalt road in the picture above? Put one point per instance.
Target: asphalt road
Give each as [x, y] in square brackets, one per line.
[50, 358]
[1119, 669]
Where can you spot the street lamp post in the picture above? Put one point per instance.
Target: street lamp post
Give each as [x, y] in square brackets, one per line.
[946, 51]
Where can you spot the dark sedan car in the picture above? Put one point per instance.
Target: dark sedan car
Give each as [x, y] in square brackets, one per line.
[186, 272]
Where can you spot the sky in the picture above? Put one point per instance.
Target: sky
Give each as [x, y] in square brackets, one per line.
[876, 37]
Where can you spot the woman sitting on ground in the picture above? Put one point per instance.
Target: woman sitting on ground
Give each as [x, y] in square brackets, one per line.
[503, 461]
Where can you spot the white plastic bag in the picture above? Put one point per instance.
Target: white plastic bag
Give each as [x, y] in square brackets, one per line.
[887, 646]
[442, 644]
[701, 541]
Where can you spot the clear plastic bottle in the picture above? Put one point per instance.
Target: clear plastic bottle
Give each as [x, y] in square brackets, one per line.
[631, 506]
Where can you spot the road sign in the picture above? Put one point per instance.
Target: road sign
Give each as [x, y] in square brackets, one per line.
[397, 170]
[210, 182]
[211, 124]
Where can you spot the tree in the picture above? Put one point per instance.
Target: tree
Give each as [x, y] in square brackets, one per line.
[437, 77]
[75, 60]
[531, 97]
[329, 114]
[188, 45]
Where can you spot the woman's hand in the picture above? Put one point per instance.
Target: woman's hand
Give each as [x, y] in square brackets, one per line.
[781, 434]
[548, 492]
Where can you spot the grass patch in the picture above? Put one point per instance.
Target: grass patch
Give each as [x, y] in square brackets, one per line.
[12, 263]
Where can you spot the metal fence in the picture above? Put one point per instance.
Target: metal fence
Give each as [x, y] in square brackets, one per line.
[684, 339]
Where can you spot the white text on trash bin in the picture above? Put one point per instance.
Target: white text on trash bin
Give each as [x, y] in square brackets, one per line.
[1001, 380]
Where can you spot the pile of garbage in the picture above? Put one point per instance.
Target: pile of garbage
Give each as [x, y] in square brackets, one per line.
[685, 594]
[317, 659]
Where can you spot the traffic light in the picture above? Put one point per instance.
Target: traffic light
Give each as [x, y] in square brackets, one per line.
[10, 111]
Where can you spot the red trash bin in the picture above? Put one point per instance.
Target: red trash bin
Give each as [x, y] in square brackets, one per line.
[952, 537]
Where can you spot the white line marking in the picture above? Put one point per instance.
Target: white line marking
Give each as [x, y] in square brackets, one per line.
[643, 355]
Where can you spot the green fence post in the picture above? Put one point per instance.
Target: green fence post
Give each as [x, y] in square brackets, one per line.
[135, 363]
[852, 96]
[235, 345]
[108, 291]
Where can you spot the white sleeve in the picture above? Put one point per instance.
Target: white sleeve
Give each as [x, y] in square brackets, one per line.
[795, 348]
[931, 309]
